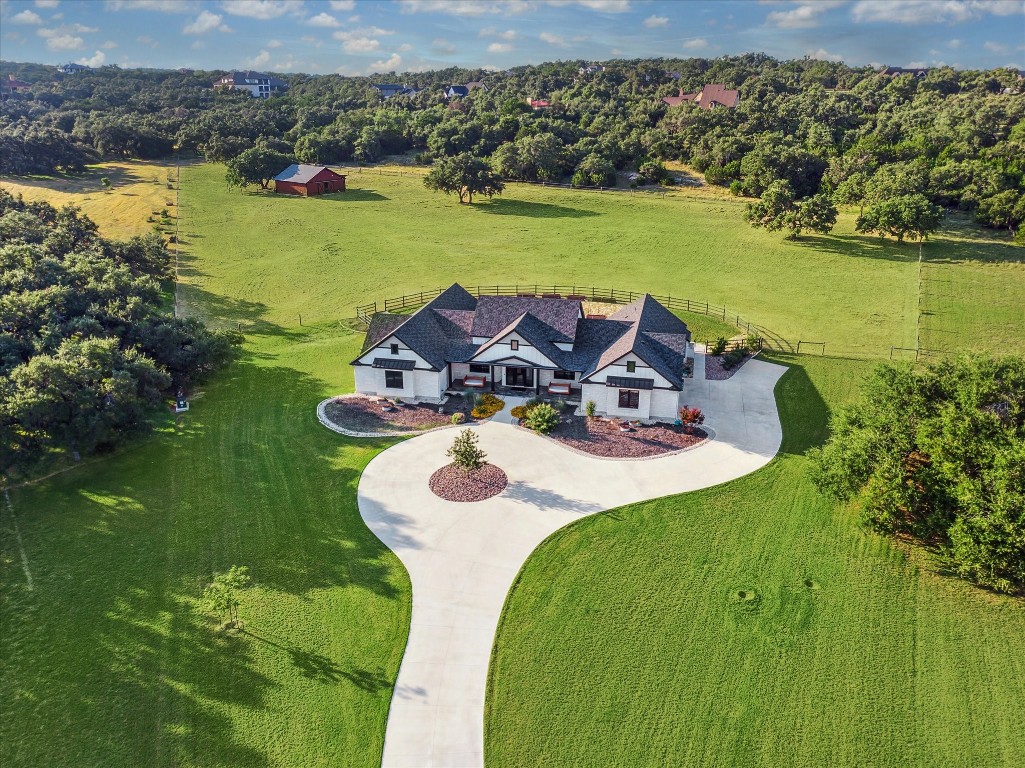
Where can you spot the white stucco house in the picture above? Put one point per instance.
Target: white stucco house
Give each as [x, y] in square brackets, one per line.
[631, 364]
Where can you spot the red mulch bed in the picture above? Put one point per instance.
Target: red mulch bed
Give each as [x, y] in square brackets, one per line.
[454, 484]
[363, 414]
[603, 437]
[714, 370]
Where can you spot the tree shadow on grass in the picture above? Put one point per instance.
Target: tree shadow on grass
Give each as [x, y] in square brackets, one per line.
[533, 210]
[860, 246]
[352, 196]
[803, 412]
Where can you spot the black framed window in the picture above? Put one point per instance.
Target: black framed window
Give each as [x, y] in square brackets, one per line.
[629, 398]
[566, 375]
[514, 345]
[394, 349]
[393, 379]
[478, 368]
[631, 366]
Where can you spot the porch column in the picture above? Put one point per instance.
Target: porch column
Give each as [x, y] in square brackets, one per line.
[537, 381]
[492, 377]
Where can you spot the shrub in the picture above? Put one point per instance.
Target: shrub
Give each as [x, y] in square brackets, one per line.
[470, 399]
[533, 402]
[736, 188]
[458, 418]
[691, 417]
[753, 342]
[733, 358]
[719, 346]
[590, 408]
[542, 419]
[519, 412]
[465, 452]
[559, 404]
[487, 405]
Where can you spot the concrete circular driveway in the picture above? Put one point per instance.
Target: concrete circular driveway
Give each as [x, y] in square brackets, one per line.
[462, 558]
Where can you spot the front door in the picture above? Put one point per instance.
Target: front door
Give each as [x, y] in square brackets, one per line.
[519, 377]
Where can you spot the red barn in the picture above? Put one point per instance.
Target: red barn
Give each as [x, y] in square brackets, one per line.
[308, 180]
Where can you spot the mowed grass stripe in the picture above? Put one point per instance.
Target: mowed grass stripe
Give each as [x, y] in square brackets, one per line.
[625, 643]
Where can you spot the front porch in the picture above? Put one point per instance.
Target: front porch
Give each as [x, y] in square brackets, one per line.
[517, 381]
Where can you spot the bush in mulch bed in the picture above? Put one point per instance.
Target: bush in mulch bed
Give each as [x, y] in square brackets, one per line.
[720, 368]
[364, 414]
[453, 483]
[605, 437]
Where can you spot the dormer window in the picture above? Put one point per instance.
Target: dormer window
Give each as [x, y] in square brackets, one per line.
[514, 345]
[631, 366]
[394, 349]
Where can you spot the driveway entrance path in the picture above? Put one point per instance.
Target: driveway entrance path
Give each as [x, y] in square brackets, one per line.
[462, 558]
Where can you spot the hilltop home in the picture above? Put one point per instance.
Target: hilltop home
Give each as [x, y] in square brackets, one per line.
[631, 364]
[258, 85]
[711, 96]
[388, 90]
[71, 68]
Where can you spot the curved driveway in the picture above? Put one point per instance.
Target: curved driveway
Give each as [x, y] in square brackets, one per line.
[462, 558]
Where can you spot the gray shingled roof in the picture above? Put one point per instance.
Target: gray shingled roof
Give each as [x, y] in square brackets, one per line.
[381, 326]
[496, 312]
[300, 174]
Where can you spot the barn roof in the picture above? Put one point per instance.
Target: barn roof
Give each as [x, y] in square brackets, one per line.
[300, 174]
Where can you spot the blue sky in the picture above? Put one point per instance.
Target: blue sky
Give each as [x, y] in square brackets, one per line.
[364, 36]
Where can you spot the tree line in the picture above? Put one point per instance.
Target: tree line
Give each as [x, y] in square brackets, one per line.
[957, 138]
[88, 348]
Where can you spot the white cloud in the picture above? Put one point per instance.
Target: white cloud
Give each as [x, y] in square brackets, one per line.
[993, 47]
[26, 17]
[932, 11]
[259, 59]
[656, 21]
[58, 40]
[162, 6]
[147, 40]
[917, 65]
[548, 37]
[274, 43]
[323, 20]
[509, 34]
[804, 16]
[198, 45]
[695, 44]
[392, 63]
[955, 43]
[206, 22]
[342, 5]
[47, 3]
[499, 48]
[261, 9]
[109, 45]
[606, 6]
[311, 40]
[96, 60]
[823, 55]
[358, 44]
[465, 7]
[405, 48]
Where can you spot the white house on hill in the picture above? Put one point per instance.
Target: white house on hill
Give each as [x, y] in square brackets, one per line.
[630, 364]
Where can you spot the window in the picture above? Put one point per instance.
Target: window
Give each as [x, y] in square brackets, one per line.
[514, 345]
[477, 368]
[631, 367]
[567, 375]
[393, 380]
[629, 398]
[394, 349]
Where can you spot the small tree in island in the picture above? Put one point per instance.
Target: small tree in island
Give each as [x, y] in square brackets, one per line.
[466, 175]
[466, 453]
[221, 595]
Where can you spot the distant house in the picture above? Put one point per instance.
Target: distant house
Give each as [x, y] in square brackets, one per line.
[474, 85]
[630, 364]
[258, 84]
[308, 180]
[896, 71]
[12, 85]
[711, 96]
[536, 104]
[456, 92]
[387, 90]
[591, 69]
[71, 68]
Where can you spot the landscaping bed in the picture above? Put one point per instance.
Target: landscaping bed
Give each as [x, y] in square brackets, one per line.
[366, 414]
[604, 437]
[453, 483]
[716, 370]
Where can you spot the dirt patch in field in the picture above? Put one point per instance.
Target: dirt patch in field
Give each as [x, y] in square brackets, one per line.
[455, 484]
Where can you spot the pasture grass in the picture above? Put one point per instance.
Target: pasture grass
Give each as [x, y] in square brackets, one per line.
[110, 660]
[137, 189]
[752, 624]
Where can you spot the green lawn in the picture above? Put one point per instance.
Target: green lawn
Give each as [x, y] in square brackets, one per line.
[625, 640]
[109, 661]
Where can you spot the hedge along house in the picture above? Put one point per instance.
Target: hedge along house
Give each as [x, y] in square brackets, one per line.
[630, 364]
[308, 180]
